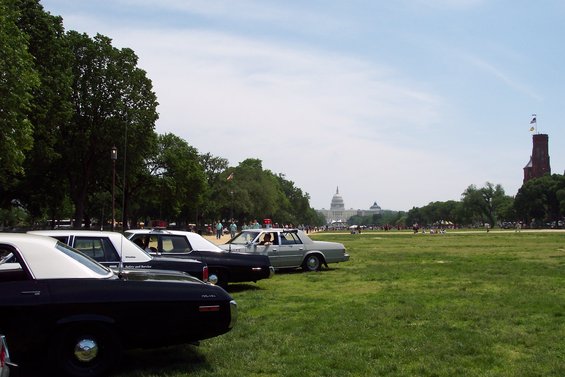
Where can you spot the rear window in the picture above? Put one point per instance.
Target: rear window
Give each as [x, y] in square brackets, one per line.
[83, 259]
[98, 248]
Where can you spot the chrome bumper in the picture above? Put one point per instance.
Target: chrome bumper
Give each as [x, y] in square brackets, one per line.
[233, 313]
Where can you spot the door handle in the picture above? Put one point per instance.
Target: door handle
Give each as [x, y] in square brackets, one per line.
[32, 293]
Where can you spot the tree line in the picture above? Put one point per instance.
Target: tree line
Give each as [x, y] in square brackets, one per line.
[78, 140]
[539, 203]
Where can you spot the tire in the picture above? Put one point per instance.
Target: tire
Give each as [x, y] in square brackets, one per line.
[100, 350]
[312, 262]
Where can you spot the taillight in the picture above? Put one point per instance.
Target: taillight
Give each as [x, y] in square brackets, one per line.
[209, 308]
[2, 355]
[205, 274]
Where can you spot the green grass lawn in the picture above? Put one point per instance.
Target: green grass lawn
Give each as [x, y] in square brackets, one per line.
[459, 304]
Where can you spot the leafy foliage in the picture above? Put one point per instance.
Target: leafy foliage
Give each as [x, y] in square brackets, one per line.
[541, 200]
[18, 79]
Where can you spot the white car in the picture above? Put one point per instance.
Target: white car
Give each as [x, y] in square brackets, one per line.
[288, 248]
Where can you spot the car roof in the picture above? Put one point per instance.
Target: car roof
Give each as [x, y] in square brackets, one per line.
[289, 230]
[124, 246]
[196, 240]
[46, 261]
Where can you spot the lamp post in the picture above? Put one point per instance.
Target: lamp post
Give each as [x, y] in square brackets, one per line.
[114, 157]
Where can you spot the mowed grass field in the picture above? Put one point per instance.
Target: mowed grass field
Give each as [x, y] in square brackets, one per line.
[459, 304]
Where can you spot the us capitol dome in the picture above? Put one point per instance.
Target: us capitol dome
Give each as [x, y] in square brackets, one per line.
[338, 214]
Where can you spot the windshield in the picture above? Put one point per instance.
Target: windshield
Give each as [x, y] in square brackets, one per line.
[243, 238]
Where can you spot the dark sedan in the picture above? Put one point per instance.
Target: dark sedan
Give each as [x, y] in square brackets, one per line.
[59, 303]
[226, 266]
[113, 250]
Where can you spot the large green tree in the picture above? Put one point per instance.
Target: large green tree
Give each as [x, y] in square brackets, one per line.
[485, 205]
[541, 200]
[248, 192]
[179, 181]
[18, 79]
[50, 111]
[113, 105]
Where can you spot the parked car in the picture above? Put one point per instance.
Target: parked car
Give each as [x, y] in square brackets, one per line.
[113, 250]
[227, 267]
[59, 303]
[5, 361]
[287, 248]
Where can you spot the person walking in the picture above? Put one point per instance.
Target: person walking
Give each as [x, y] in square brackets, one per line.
[233, 229]
[219, 229]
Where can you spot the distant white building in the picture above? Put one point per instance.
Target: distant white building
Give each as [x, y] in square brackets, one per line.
[338, 214]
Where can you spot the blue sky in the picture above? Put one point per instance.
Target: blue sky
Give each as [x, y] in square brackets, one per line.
[400, 102]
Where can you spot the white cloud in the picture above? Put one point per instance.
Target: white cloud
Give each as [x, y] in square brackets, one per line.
[319, 119]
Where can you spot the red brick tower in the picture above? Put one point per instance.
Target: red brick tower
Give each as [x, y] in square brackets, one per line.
[539, 160]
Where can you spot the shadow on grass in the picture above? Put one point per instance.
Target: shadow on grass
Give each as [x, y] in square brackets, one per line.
[162, 362]
[236, 288]
[166, 361]
[292, 271]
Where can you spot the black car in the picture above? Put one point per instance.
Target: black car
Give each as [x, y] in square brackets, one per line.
[60, 304]
[113, 250]
[226, 266]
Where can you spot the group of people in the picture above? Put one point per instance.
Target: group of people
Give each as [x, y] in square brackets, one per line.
[233, 227]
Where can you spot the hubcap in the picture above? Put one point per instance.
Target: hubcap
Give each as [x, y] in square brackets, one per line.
[313, 263]
[86, 350]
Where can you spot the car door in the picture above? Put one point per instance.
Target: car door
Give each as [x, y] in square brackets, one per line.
[281, 254]
[290, 250]
[21, 295]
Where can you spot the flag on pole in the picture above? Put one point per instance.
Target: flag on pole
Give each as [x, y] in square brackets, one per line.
[534, 123]
[230, 177]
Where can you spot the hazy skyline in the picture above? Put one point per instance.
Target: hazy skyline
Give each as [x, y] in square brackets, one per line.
[402, 103]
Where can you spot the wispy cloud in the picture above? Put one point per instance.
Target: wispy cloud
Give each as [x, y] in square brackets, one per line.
[501, 76]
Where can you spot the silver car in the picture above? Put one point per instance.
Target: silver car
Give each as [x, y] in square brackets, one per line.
[288, 248]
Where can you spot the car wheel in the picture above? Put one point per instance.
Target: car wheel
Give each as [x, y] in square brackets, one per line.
[312, 263]
[85, 350]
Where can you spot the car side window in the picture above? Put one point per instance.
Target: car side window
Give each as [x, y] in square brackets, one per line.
[153, 244]
[10, 268]
[99, 249]
[175, 244]
[290, 239]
